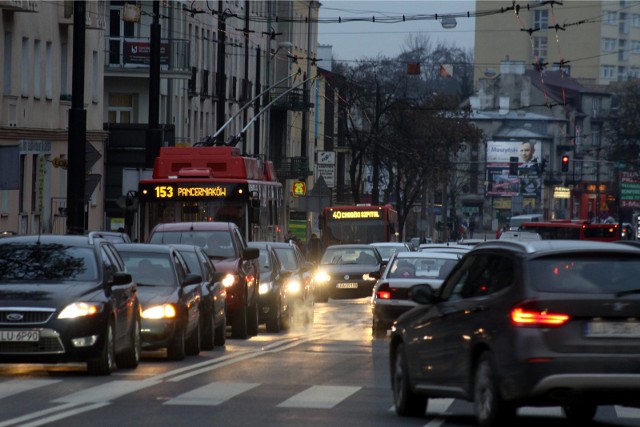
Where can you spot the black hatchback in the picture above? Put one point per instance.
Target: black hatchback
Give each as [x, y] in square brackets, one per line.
[67, 299]
[538, 323]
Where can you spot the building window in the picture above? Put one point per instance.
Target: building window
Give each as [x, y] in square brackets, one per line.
[540, 47]
[37, 68]
[624, 24]
[623, 53]
[607, 71]
[95, 77]
[7, 63]
[120, 108]
[608, 44]
[64, 70]
[541, 19]
[25, 66]
[610, 17]
[622, 73]
[635, 20]
[48, 76]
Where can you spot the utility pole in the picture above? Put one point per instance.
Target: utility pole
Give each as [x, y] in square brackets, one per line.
[77, 128]
[154, 135]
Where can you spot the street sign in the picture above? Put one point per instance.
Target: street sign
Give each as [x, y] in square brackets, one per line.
[299, 188]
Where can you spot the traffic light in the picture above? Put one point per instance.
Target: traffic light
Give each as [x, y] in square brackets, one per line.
[565, 163]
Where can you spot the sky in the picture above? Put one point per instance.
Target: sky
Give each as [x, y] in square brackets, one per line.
[358, 40]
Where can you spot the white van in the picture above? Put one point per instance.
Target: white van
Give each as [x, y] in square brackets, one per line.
[515, 221]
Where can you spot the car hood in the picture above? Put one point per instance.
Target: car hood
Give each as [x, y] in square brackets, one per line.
[55, 294]
[156, 295]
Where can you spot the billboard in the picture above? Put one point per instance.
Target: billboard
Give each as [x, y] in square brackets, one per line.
[502, 182]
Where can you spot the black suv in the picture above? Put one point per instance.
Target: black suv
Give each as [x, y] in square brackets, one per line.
[67, 299]
[538, 323]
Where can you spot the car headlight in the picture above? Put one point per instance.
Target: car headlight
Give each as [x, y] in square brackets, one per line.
[229, 280]
[164, 311]
[265, 287]
[321, 277]
[294, 286]
[80, 309]
[367, 277]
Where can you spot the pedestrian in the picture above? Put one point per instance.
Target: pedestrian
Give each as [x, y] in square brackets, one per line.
[472, 226]
[314, 248]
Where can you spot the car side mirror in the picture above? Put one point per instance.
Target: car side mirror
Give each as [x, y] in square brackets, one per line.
[250, 253]
[375, 274]
[422, 294]
[121, 278]
[192, 279]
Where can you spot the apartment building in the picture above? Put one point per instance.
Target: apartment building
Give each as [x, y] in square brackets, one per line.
[216, 59]
[597, 42]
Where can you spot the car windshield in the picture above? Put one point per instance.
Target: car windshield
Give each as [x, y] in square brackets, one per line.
[149, 268]
[597, 273]
[364, 256]
[217, 244]
[27, 262]
[433, 268]
[387, 251]
[287, 258]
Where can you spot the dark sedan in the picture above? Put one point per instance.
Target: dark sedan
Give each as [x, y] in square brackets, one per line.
[299, 282]
[213, 310]
[67, 299]
[170, 298]
[348, 271]
[537, 323]
[274, 304]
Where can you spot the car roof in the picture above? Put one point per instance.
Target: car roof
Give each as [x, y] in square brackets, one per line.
[427, 254]
[72, 239]
[183, 247]
[553, 247]
[394, 244]
[351, 246]
[194, 226]
[436, 246]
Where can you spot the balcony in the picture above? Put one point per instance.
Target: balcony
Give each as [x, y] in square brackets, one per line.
[292, 167]
[20, 5]
[132, 56]
[291, 101]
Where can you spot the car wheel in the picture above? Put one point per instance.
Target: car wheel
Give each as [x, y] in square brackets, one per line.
[239, 323]
[274, 323]
[378, 330]
[252, 319]
[192, 344]
[407, 402]
[131, 357]
[104, 364]
[176, 349]
[220, 335]
[490, 408]
[207, 341]
[580, 413]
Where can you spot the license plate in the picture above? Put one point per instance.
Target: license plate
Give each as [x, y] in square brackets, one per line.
[19, 336]
[347, 285]
[613, 329]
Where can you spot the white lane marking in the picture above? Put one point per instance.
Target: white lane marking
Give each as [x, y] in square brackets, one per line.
[105, 392]
[9, 388]
[437, 421]
[66, 414]
[530, 411]
[439, 406]
[627, 412]
[320, 397]
[212, 394]
[36, 414]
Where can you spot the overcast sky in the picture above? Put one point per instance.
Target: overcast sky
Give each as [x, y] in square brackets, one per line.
[357, 40]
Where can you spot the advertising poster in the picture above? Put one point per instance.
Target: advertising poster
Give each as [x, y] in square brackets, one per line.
[527, 182]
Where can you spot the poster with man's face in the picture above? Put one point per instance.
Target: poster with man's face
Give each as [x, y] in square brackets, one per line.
[499, 154]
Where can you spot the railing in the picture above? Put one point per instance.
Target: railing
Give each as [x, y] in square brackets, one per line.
[127, 53]
[292, 167]
[292, 101]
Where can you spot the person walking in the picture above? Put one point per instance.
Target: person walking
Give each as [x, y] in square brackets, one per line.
[314, 248]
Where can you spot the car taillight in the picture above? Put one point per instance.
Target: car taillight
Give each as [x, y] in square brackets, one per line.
[527, 317]
[383, 291]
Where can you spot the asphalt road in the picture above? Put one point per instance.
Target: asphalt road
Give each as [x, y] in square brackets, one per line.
[329, 374]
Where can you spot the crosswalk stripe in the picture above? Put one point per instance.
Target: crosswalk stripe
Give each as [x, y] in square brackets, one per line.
[319, 397]
[212, 394]
[12, 387]
[105, 392]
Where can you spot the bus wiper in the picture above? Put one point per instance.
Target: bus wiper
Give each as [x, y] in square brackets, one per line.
[628, 292]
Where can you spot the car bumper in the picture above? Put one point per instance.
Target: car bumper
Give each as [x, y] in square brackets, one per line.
[361, 289]
[158, 333]
[386, 312]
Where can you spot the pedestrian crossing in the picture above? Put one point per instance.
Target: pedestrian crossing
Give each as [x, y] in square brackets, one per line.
[213, 394]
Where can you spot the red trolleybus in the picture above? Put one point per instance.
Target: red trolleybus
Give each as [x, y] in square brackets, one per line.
[360, 224]
[574, 230]
[213, 184]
